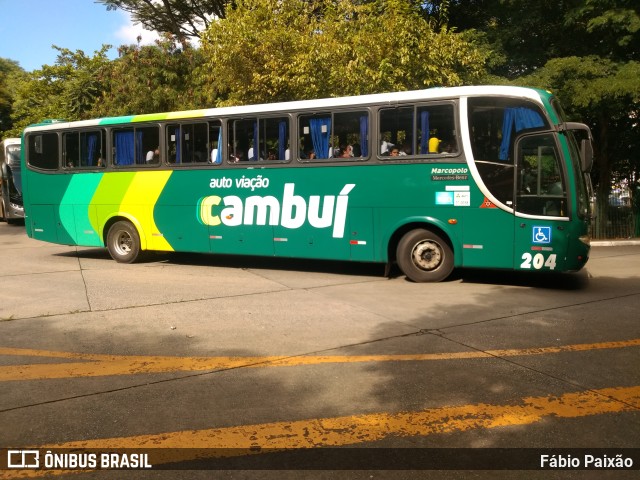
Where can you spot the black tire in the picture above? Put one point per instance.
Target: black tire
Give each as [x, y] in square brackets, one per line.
[123, 242]
[424, 257]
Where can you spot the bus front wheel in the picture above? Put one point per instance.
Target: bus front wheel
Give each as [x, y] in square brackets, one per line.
[424, 257]
[123, 242]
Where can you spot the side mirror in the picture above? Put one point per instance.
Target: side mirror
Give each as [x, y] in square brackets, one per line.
[586, 145]
[586, 155]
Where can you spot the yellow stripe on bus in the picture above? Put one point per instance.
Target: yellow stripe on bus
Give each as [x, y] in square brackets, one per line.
[139, 201]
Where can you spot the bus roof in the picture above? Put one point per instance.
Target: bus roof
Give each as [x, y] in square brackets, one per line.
[300, 105]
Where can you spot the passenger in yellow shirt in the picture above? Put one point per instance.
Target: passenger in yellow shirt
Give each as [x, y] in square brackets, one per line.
[434, 144]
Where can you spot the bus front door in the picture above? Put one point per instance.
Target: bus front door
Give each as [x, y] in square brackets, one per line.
[541, 227]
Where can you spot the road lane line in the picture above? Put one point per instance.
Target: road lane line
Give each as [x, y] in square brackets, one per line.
[96, 365]
[357, 429]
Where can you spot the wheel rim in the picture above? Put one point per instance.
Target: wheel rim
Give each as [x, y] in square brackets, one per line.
[427, 255]
[123, 243]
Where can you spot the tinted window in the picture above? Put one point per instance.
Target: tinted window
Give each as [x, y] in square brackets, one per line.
[339, 135]
[136, 146]
[84, 149]
[42, 150]
[417, 130]
[259, 139]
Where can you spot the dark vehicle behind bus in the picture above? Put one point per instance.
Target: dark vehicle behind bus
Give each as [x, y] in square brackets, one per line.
[11, 206]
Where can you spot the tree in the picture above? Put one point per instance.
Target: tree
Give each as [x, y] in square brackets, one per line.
[299, 49]
[180, 18]
[148, 79]
[586, 51]
[10, 75]
[607, 95]
[68, 89]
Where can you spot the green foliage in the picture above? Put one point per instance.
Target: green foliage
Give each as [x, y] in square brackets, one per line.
[302, 49]
[10, 75]
[147, 79]
[66, 90]
[606, 94]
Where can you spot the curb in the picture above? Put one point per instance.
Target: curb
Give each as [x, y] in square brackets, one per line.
[614, 243]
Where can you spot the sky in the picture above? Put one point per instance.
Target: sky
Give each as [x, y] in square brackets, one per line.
[28, 29]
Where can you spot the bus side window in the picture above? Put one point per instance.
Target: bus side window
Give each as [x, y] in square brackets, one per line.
[418, 130]
[188, 143]
[350, 135]
[436, 132]
[315, 131]
[396, 132]
[241, 140]
[70, 150]
[131, 146]
[494, 126]
[273, 138]
[42, 151]
[342, 135]
[83, 149]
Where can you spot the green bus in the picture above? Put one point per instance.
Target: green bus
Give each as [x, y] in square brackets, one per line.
[435, 179]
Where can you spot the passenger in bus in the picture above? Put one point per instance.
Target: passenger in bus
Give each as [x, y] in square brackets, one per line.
[405, 150]
[346, 151]
[434, 143]
[394, 152]
[385, 147]
[153, 156]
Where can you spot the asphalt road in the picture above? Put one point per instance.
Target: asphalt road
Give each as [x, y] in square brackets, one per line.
[229, 355]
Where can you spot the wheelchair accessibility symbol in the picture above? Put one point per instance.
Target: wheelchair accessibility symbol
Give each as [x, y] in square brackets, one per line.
[542, 235]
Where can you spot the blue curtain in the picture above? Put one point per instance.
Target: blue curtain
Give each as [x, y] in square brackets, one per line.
[141, 155]
[364, 135]
[282, 139]
[519, 118]
[124, 148]
[319, 138]
[424, 127]
[92, 141]
[218, 159]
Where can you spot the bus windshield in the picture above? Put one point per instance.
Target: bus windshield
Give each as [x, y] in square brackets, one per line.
[13, 161]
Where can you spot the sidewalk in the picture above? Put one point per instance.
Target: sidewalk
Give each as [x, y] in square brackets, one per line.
[615, 243]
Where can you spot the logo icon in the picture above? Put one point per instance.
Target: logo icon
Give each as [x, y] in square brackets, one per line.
[23, 458]
[542, 235]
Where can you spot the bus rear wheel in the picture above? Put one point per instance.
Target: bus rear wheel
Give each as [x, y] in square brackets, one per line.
[424, 257]
[123, 242]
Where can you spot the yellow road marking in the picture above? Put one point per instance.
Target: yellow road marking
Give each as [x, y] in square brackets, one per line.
[93, 365]
[357, 429]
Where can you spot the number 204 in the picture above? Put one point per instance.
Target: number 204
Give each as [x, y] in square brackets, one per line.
[538, 261]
